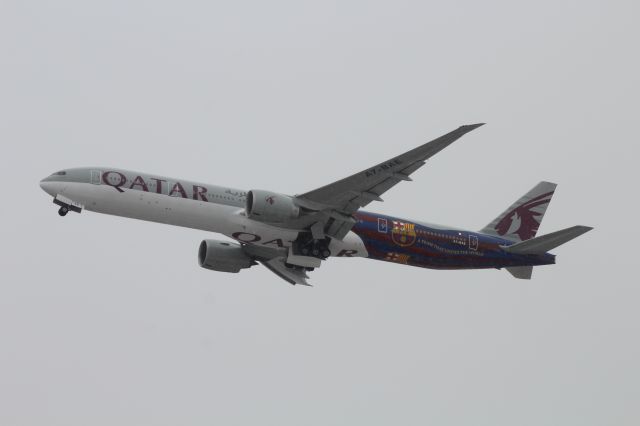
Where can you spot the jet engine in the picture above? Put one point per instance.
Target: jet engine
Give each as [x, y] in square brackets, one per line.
[266, 206]
[223, 256]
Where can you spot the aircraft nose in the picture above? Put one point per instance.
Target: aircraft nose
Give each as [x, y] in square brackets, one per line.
[48, 186]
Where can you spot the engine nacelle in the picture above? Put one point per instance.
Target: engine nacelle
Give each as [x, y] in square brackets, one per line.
[266, 206]
[223, 256]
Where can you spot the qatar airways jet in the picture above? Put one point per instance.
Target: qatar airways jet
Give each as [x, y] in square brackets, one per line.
[292, 235]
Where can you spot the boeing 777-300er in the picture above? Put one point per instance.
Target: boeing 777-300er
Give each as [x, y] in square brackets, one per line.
[291, 235]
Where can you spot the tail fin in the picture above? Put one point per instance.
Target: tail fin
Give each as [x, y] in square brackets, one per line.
[520, 222]
[547, 242]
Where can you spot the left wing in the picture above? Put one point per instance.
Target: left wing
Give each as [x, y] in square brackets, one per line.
[292, 275]
[275, 259]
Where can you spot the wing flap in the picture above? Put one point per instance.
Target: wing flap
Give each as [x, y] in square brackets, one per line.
[291, 275]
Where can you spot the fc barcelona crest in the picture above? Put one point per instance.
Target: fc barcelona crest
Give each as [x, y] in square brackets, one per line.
[403, 234]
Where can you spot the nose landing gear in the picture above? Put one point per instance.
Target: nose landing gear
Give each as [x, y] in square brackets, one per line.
[66, 205]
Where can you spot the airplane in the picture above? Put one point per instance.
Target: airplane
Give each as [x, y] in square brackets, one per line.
[292, 235]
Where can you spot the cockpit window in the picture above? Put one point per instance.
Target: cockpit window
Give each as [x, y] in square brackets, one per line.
[60, 173]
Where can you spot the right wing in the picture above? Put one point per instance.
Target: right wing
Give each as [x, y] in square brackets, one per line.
[330, 208]
[349, 194]
[334, 204]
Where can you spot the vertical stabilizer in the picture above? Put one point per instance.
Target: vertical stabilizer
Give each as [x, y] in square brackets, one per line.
[520, 222]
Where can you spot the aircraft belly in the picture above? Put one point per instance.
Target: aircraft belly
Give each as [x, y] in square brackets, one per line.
[250, 231]
[434, 256]
[257, 233]
[207, 216]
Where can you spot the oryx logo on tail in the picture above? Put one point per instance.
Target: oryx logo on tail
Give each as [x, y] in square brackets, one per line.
[523, 220]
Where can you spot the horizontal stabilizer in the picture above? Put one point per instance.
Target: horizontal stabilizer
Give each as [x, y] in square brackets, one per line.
[544, 243]
[521, 272]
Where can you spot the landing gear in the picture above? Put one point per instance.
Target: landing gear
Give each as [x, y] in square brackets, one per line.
[305, 245]
[66, 205]
[298, 267]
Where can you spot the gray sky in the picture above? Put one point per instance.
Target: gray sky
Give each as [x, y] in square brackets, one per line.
[106, 320]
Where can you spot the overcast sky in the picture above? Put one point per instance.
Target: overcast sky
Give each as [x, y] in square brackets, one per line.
[105, 320]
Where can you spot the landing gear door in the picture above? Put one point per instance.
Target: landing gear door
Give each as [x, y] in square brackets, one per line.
[95, 177]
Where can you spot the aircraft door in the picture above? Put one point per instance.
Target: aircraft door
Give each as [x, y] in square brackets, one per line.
[473, 242]
[95, 177]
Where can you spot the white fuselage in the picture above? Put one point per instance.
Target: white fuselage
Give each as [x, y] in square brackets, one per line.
[157, 201]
